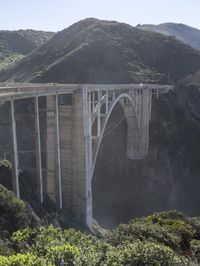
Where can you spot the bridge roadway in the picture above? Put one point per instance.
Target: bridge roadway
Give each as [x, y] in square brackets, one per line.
[28, 90]
[74, 130]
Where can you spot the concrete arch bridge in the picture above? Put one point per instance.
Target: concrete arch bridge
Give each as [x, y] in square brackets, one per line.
[76, 118]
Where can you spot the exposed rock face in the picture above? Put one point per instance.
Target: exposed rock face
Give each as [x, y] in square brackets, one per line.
[168, 178]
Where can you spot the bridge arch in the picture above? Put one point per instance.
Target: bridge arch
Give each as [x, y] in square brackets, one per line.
[130, 115]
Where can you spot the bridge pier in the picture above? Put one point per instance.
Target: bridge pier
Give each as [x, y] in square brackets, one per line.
[75, 155]
[82, 158]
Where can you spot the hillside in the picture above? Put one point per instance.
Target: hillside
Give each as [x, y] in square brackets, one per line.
[182, 32]
[95, 51]
[14, 45]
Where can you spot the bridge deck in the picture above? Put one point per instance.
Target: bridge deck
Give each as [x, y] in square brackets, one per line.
[27, 90]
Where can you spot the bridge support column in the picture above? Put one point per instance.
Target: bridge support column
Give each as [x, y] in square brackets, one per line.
[38, 151]
[58, 160]
[82, 157]
[15, 164]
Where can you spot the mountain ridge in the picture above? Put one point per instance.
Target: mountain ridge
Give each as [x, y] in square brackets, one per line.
[187, 34]
[99, 51]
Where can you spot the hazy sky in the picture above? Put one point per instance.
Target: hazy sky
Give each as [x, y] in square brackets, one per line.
[56, 15]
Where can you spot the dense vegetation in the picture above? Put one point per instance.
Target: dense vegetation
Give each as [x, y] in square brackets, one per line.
[166, 238]
[95, 51]
[182, 32]
[14, 45]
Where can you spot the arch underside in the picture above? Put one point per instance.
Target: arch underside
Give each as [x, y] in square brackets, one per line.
[133, 125]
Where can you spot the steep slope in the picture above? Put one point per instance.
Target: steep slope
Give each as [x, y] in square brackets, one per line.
[14, 45]
[96, 51]
[182, 32]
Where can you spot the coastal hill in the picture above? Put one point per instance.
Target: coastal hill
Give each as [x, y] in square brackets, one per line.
[96, 51]
[182, 32]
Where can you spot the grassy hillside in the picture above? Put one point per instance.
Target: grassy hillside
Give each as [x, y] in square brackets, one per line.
[96, 51]
[14, 45]
[182, 32]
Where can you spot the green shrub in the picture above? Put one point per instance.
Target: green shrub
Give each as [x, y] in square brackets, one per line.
[139, 229]
[22, 239]
[143, 254]
[195, 223]
[5, 250]
[6, 165]
[4, 261]
[45, 238]
[63, 255]
[42, 240]
[23, 260]
[195, 249]
[175, 223]
[15, 214]
[92, 250]
[173, 214]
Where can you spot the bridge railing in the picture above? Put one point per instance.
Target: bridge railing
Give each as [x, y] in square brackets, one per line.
[26, 90]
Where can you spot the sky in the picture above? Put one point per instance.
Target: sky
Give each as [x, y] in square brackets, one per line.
[55, 15]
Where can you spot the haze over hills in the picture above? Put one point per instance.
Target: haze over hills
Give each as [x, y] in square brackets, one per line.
[14, 45]
[96, 51]
[182, 32]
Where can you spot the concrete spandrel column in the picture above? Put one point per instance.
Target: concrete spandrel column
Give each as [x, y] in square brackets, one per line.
[15, 168]
[99, 115]
[106, 95]
[38, 151]
[58, 159]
